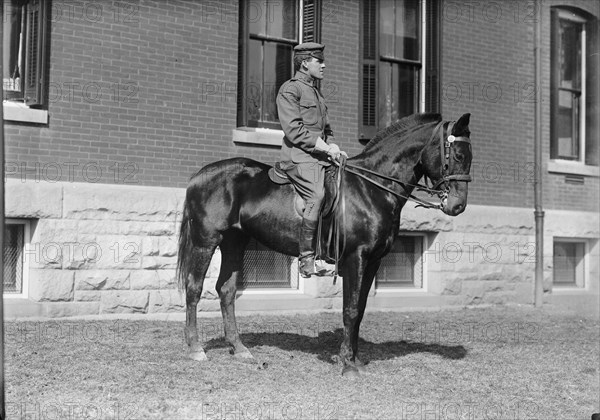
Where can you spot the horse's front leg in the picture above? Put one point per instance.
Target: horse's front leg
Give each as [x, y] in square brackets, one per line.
[354, 297]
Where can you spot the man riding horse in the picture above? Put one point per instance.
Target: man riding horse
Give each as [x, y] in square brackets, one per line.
[308, 146]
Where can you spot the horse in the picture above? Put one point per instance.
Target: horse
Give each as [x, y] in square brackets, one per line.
[231, 201]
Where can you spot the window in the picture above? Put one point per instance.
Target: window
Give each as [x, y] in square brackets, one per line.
[574, 87]
[264, 268]
[15, 275]
[25, 51]
[403, 266]
[268, 33]
[568, 263]
[399, 61]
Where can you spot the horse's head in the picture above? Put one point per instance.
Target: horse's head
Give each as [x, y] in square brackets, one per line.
[446, 160]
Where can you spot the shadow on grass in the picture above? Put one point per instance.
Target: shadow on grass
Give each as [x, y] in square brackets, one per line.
[327, 345]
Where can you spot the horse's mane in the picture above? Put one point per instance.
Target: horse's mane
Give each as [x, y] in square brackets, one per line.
[402, 126]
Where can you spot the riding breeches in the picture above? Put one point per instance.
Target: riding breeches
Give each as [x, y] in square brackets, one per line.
[309, 181]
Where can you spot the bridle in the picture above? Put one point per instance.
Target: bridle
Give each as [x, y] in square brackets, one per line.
[446, 144]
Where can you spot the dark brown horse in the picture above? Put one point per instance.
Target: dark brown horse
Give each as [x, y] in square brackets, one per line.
[230, 201]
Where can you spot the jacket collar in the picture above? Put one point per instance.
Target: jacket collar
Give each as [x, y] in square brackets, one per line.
[304, 77]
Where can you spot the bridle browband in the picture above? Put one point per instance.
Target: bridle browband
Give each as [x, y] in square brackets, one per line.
[445, 146]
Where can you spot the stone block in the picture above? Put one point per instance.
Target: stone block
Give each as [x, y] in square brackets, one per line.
[166, 301]
[37, 200]
[102, 279]
[51, 285]
[153, 279]
[323, 287]
[163, 246]
[87, 295]
[53, 243]
[62, 309]
[159, 263]
[124, 301]
[120, 202]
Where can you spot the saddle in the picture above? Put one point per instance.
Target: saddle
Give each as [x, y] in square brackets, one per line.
[328, 226]
[278, 176]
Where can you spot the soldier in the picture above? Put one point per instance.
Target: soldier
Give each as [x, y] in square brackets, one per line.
[307, 145]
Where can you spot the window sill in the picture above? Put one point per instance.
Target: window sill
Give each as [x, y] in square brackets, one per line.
[258, 136]
[575, 168]
[19, 112]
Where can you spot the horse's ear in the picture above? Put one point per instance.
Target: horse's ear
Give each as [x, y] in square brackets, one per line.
[462, 125]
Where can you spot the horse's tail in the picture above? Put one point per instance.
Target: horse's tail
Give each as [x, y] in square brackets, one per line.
[184, 255]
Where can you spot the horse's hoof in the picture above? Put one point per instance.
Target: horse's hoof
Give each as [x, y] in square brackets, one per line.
[198, 356]
[360, 366]
[243, 355]
[350, 372]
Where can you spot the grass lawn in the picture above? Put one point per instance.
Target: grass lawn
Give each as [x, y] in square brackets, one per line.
[485, 363]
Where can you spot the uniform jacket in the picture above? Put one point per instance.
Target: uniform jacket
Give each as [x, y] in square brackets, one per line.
[303, 117]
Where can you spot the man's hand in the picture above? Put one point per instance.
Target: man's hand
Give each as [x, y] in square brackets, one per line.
[334, 152]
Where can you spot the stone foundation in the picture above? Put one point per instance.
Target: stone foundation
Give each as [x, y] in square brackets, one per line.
[112, 249]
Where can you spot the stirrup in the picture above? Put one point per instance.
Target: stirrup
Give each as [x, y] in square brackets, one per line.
[306, 266]
[323, 268]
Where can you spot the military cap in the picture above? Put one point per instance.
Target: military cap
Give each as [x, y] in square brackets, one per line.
[310, 49]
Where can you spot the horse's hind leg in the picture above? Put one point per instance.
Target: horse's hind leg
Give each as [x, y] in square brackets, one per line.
[201, 257]
[232, 259]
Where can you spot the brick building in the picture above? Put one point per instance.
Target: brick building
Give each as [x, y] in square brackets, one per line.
[110, 106]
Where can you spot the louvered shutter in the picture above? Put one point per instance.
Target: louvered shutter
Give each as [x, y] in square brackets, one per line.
[592, 100]
[311, 21]
[554, 81]
[35, 53]
[242, 118]
[368, 71]
[433, 60]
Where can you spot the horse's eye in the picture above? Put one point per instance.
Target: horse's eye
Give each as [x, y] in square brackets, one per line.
[459, 157]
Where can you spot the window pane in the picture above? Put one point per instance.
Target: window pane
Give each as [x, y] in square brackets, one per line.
[407, 29]
[253, 88]
[387, 27]
[273, 18]
[277, 69]
[568, 125]
[398, 92]
[568, 262]
[570, 54]
[13, 48]
[399, 29]
[282, 22]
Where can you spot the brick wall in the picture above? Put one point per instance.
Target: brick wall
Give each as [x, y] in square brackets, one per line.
[145, 93]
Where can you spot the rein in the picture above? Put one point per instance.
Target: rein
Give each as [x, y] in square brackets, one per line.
[445, 144]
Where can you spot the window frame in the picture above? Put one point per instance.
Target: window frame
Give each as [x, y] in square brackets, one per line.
[35, 61]
[581, 282]
[24, 259]
[309, 30]
[422, 261]
[429, 65]
[586, 162]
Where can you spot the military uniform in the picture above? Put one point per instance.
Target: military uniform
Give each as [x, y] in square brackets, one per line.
[303, 117]
[304, 154]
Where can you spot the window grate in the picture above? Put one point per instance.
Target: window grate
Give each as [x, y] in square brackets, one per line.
[13, 258]
[403, 266]
[264, 268]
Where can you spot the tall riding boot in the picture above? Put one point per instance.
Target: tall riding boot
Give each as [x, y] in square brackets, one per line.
[306, 262]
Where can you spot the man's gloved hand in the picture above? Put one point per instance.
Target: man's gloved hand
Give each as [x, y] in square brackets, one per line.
[334, 152]
[331, 149]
